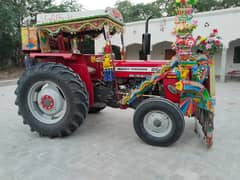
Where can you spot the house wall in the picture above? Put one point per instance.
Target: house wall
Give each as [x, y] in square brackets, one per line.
[132, 51]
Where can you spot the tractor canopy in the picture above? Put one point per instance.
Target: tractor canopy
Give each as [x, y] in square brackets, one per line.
[76, 22]
[72, 25]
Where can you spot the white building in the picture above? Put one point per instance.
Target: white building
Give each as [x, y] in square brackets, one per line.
[227, 21]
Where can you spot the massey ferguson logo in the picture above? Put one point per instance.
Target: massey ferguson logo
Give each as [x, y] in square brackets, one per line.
[137, 69]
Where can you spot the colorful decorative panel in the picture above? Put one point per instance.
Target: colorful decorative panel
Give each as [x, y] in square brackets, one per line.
[29, 38]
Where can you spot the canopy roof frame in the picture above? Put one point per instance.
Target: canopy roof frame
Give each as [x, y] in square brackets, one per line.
[75, 22]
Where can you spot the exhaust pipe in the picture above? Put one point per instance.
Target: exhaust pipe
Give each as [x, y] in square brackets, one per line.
[146, 41]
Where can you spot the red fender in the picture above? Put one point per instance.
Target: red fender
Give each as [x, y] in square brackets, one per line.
[76, 62]
[80, 67]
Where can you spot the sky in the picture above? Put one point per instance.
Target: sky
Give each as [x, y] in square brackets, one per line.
[102, 4]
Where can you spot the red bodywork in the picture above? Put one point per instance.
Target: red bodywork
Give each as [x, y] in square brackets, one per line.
[137, 68]
[81, 64]
[168, 81]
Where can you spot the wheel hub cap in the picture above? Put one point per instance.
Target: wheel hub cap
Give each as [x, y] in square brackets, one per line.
[47, 102]
[50, 101]
[157, 123]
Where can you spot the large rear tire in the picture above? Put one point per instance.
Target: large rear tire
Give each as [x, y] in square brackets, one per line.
[52, 99]
[158, 122]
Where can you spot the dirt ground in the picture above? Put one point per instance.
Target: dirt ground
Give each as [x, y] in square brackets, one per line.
[106, 147]
[11, 73]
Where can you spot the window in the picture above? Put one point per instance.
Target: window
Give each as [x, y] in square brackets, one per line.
[236, 57]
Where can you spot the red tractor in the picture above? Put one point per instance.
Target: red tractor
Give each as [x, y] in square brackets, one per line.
[63, 85]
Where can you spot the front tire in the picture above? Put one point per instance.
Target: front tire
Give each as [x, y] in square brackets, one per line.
[52, 99]
[158, 122]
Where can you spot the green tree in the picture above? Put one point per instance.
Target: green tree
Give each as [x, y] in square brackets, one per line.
[125, 7]
[207, 5]
[12, 13]
[38, 5]
[229, 3]
[65, 6]
[71, 6]
[135, 12]
[141, 11]
[9, 34]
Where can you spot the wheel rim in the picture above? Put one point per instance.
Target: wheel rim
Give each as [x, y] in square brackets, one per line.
[157, 124]
[47, 102]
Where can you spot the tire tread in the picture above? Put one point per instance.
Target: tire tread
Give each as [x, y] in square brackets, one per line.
[78, 90]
